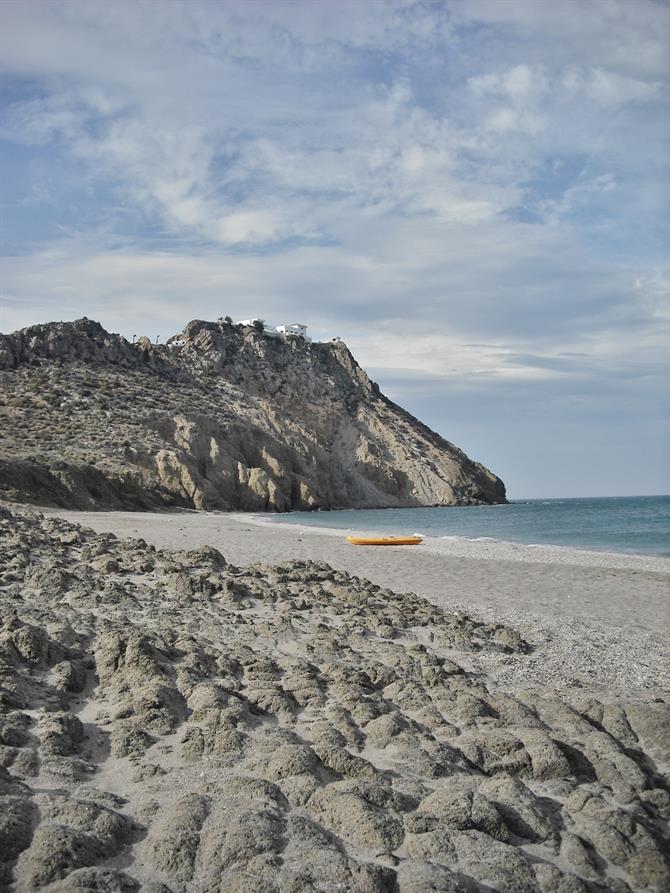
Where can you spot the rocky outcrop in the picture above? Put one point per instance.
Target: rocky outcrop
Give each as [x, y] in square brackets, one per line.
[83, 339]
[171, 722]
[222, 417]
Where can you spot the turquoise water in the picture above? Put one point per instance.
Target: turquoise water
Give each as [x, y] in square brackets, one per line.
[639, 524]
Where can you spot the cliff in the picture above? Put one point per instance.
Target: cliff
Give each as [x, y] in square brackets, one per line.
[223, 417]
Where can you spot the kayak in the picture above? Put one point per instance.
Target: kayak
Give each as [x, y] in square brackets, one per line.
[385, 540]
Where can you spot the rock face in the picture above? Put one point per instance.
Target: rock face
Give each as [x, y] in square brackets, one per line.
[224, 417]
[169, 722]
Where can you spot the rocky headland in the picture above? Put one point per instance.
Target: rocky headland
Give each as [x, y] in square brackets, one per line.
[170, 722]
[222, 417]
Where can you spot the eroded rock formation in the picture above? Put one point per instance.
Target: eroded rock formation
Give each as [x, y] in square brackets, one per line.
[230, 419]
[169, 722]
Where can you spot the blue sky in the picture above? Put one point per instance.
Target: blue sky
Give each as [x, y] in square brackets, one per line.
[474, 195]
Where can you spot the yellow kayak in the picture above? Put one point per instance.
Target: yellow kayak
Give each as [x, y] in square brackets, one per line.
[385, 540]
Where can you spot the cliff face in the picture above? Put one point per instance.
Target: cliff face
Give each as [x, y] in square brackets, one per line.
[222, 418]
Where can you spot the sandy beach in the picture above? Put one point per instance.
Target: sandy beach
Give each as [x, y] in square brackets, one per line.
[208, 703]
[595, 619]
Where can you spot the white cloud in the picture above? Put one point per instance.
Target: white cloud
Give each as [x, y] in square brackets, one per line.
[617, 35]
[205, 117]
[518, 83]
[610, 89]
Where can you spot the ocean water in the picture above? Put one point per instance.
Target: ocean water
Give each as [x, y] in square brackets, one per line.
[630, 524]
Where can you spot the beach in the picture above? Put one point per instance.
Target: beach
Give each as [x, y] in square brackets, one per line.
[596, 620]
[215, 703]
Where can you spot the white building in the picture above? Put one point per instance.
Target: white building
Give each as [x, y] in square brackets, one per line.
[293, 328]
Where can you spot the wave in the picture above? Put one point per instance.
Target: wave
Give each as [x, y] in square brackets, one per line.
[472, 539]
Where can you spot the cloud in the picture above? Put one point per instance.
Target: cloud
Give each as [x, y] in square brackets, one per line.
[610, 89]
[203, 145]
[616, 35]
[473, 193]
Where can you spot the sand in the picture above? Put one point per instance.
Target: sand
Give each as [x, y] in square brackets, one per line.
[452, 717]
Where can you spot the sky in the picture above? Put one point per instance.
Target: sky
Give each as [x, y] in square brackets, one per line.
[473, 194]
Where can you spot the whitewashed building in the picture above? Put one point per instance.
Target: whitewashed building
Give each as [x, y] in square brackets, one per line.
[293, 328]
[285, 330]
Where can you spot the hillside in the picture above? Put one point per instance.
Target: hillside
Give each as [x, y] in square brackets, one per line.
[225, 418]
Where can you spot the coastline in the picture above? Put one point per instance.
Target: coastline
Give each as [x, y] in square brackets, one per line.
[597, 621]
[491, 548]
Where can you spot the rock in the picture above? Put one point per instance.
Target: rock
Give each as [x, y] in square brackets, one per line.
[547, 759]
[231, 420]
[128, 739]
[650, 723]
[246, 839]
[70, 675]
[56, 851]
[574, 852]
[523, 813]
[659, 799]
[459, 807]
[551, 879]
[355, 819]
[175, 837]
[14, 729]
[74, 834]
[340, 761]
[61, 734]
[16, 826]
[292, 759]
[494, 864]
[384, 729]
[97, 880]
[109, 828]
[299, 788]
[618, 837]
[419, 876]
[316, 860]
[140, 673]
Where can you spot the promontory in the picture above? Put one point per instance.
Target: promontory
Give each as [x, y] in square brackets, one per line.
[223, 416]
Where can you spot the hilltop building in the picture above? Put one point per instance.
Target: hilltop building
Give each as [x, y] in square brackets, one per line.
[295, 329]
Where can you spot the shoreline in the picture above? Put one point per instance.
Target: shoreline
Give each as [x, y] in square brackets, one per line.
[487, 547]
[597, 622]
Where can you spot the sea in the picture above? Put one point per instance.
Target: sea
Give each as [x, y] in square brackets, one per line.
[627, 524]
